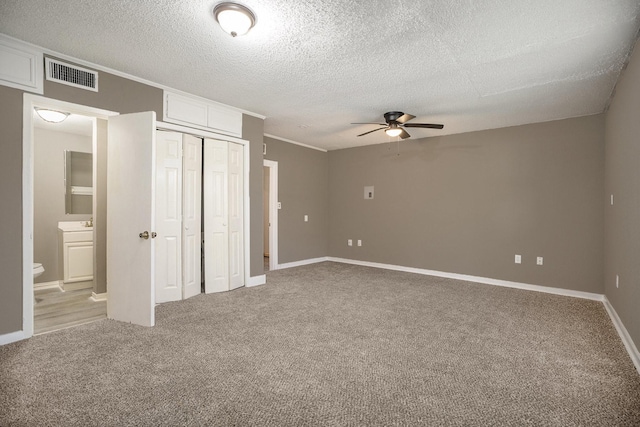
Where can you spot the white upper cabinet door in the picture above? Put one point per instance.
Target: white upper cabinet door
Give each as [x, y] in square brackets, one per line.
[168, 216]
[191, 215]
[131, 214]
[224, 120]
[185, 110]
[202, 114]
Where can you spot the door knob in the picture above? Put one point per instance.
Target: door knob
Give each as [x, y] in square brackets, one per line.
[153, 234]
[144, 235]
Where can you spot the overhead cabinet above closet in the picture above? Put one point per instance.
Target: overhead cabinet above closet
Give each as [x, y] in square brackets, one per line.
[195, 112]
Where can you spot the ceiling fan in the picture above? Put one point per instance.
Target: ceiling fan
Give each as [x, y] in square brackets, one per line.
[396, 122]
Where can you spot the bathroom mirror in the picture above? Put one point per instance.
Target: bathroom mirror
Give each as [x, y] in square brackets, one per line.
[78, 182]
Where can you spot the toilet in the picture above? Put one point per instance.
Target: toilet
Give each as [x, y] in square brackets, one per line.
[38, 269]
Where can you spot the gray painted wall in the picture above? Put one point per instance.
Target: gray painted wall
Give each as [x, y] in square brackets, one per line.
[622, 179]
[468, 203]
[10, 210]
[302, 190]
[48, 195]
[116, 94]
[253, 130]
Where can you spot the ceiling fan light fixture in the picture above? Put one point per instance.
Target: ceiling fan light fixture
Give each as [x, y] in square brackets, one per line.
[393, 131]
[51, 116]
[234, 18]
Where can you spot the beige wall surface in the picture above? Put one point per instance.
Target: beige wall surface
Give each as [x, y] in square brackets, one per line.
[468, 203]
[116, 94]
[302, 190]
[622, 179]
[49, 195]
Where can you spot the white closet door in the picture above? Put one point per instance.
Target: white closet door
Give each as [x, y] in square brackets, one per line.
[236, 216]
[168, 216]
[192, 214]
[216, 231]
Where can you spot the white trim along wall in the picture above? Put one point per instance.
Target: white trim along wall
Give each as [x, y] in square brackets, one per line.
[634, 354]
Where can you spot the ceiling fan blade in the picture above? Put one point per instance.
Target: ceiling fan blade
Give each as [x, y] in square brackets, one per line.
[424, 125]
[381, 124]
[404, 134]
[405, 118]
[372, 131]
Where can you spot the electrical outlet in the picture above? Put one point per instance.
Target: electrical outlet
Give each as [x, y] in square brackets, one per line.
[518, 259]
[350, 242]
[539, 260]
[359, 242]
[279, 205]
[306, 218]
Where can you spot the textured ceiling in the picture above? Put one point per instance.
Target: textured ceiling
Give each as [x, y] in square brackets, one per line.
[312, 67]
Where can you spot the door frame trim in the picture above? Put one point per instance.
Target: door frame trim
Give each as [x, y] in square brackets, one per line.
[29, 102]
[273, 213]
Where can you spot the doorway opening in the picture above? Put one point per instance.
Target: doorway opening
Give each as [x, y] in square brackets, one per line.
[270, 207]
[63, 251]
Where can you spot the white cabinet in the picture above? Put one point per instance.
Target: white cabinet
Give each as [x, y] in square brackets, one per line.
[76, 242]
[196, 112]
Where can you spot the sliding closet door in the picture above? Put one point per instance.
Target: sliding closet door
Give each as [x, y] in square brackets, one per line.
[168, 216]
[192, 214]
[216, 230]
[236, 216]
[223, 192]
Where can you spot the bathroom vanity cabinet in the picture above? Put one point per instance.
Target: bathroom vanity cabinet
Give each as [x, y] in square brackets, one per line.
[76, 244]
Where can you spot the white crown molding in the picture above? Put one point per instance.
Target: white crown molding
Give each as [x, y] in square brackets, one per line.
[98, 67]
[268, 135]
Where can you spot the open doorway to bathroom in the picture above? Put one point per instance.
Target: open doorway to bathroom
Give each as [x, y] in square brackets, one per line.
[69, 175]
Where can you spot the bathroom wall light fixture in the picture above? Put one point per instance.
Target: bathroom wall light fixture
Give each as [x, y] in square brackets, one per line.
[51, 116]
[234, 18]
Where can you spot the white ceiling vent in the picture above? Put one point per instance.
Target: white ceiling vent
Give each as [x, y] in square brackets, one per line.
[71, 75]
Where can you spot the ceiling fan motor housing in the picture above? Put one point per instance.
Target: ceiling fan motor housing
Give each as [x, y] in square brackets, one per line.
[392, 116]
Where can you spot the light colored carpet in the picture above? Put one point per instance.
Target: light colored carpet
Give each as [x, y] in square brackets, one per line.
[332, 344]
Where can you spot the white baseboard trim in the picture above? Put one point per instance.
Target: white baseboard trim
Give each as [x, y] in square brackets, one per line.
[475, 279]
[256, 281]
[624, 334]
[12, 337]
[99, 297]
[301, 263]
[47, 285]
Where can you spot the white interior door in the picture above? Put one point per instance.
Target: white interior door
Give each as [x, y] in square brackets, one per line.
[130, 211]
[236, 216]
[191, 215]
[168, 262]
[216, 231]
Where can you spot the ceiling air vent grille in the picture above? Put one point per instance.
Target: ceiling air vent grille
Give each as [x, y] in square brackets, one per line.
[71, 75]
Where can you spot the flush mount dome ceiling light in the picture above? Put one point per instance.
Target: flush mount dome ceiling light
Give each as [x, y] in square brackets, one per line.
[51, 116]
[234, 18]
